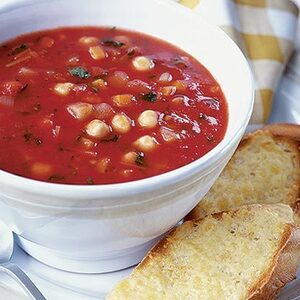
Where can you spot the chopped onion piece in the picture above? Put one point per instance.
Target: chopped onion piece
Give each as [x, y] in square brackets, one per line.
[138, 86]
[103, 165]
[80, 110]
[118, 79]
[85, 143]
[122, 100]
[165, 77]
[7, 101]
[103, 111]
[56, 131]
[168, 134]
[26, 71]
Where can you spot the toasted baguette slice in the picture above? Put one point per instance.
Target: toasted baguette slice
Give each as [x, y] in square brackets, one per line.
[248, 253]
[264, 169]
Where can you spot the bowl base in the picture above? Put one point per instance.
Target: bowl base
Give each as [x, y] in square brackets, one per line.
[94, 265]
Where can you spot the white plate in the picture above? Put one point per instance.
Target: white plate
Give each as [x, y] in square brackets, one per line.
[56, 284]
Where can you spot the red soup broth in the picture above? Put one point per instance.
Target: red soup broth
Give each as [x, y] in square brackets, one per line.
[94, 105]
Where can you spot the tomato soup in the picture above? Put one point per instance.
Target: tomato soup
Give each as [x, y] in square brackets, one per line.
[92, 105]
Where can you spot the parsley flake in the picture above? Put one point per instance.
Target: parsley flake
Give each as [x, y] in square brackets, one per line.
[19, 49]
[140, 159]
[150, 97]
[90, 180]
[113, 43]
[80, 72]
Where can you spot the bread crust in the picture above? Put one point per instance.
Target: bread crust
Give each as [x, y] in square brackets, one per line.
[284, 129]
[283, 269]
[290, 131]
[161, 247]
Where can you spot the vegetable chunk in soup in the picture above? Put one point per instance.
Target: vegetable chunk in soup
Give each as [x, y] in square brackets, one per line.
[92, 105]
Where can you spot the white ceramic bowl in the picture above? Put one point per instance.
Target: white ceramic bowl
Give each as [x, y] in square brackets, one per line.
[109, 227]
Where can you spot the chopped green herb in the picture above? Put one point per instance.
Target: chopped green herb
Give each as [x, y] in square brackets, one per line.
[210, 137]
[114, 138]
[202, 116]
[78, 138]
[180, 63]
[62, 149]
[151, 97]
[24, 87]
[38, 141]
[140, 159]
[56, 177]
[24, 113]
[113, 43]
[27, 136]
[19, 49]
[103, 75]
[90, 180]
[80, 72]
[37, 107]
[131, 52]
[213, 103]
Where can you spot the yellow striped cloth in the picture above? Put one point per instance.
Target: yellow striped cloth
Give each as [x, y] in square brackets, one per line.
[265, 31]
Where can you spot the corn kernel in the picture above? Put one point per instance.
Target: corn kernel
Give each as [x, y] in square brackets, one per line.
[122, 100]
[80, 110]
[99, 84]
[180, 85]
[168, 90]
[63, 89]
[97, 52]
[89, 40]
[41, 169]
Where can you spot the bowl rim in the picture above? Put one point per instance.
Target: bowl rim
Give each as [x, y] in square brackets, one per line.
[150, 183]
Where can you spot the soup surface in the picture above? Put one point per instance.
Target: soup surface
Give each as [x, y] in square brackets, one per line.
[96, 105]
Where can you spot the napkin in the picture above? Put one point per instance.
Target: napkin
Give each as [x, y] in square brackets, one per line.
[265, 31]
